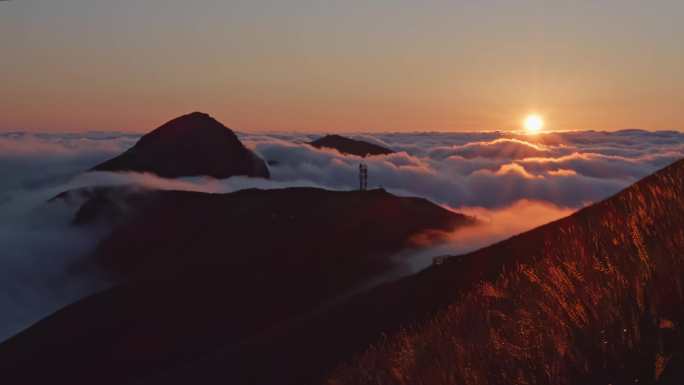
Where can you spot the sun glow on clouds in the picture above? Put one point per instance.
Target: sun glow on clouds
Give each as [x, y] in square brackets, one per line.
[494, 225]
[515, 168]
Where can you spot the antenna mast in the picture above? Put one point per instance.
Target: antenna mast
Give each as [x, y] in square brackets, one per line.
[363, 177]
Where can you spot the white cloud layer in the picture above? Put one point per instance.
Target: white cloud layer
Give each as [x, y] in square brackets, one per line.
[490, 170]
[513, 182]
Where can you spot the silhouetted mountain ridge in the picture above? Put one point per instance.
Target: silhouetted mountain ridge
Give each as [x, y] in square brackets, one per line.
[190, 145]
[350, 146]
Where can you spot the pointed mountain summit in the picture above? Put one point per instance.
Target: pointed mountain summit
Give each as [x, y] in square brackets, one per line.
[350, 146]
[191, 145]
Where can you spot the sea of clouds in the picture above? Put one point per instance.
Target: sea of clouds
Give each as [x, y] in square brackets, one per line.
[491, 170]
[510, 182]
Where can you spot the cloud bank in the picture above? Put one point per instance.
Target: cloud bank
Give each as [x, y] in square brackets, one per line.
[492, 170]
[511, 182]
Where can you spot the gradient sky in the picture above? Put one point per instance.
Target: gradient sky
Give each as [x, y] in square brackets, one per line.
[383, 65]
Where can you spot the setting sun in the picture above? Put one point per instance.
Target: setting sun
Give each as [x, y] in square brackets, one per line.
[533, 124]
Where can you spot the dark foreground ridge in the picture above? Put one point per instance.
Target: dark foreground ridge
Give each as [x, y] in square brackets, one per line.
[190, 145]
[350, 146]
[594, 298]
[204, 272]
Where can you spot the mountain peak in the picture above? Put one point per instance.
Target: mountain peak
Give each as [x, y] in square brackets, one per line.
[198, 114]
[190, 145]
[350, 146]
[193, 125]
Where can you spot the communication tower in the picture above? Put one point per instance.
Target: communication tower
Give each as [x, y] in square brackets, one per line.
[363, 177]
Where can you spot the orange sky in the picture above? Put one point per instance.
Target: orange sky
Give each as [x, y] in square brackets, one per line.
[341, 66]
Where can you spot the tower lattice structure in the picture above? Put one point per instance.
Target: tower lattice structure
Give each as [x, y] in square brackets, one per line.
[363, 177]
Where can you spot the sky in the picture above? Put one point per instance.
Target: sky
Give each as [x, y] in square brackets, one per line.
[341, 66]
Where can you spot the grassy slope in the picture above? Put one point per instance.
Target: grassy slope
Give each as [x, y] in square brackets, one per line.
[592, 298]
